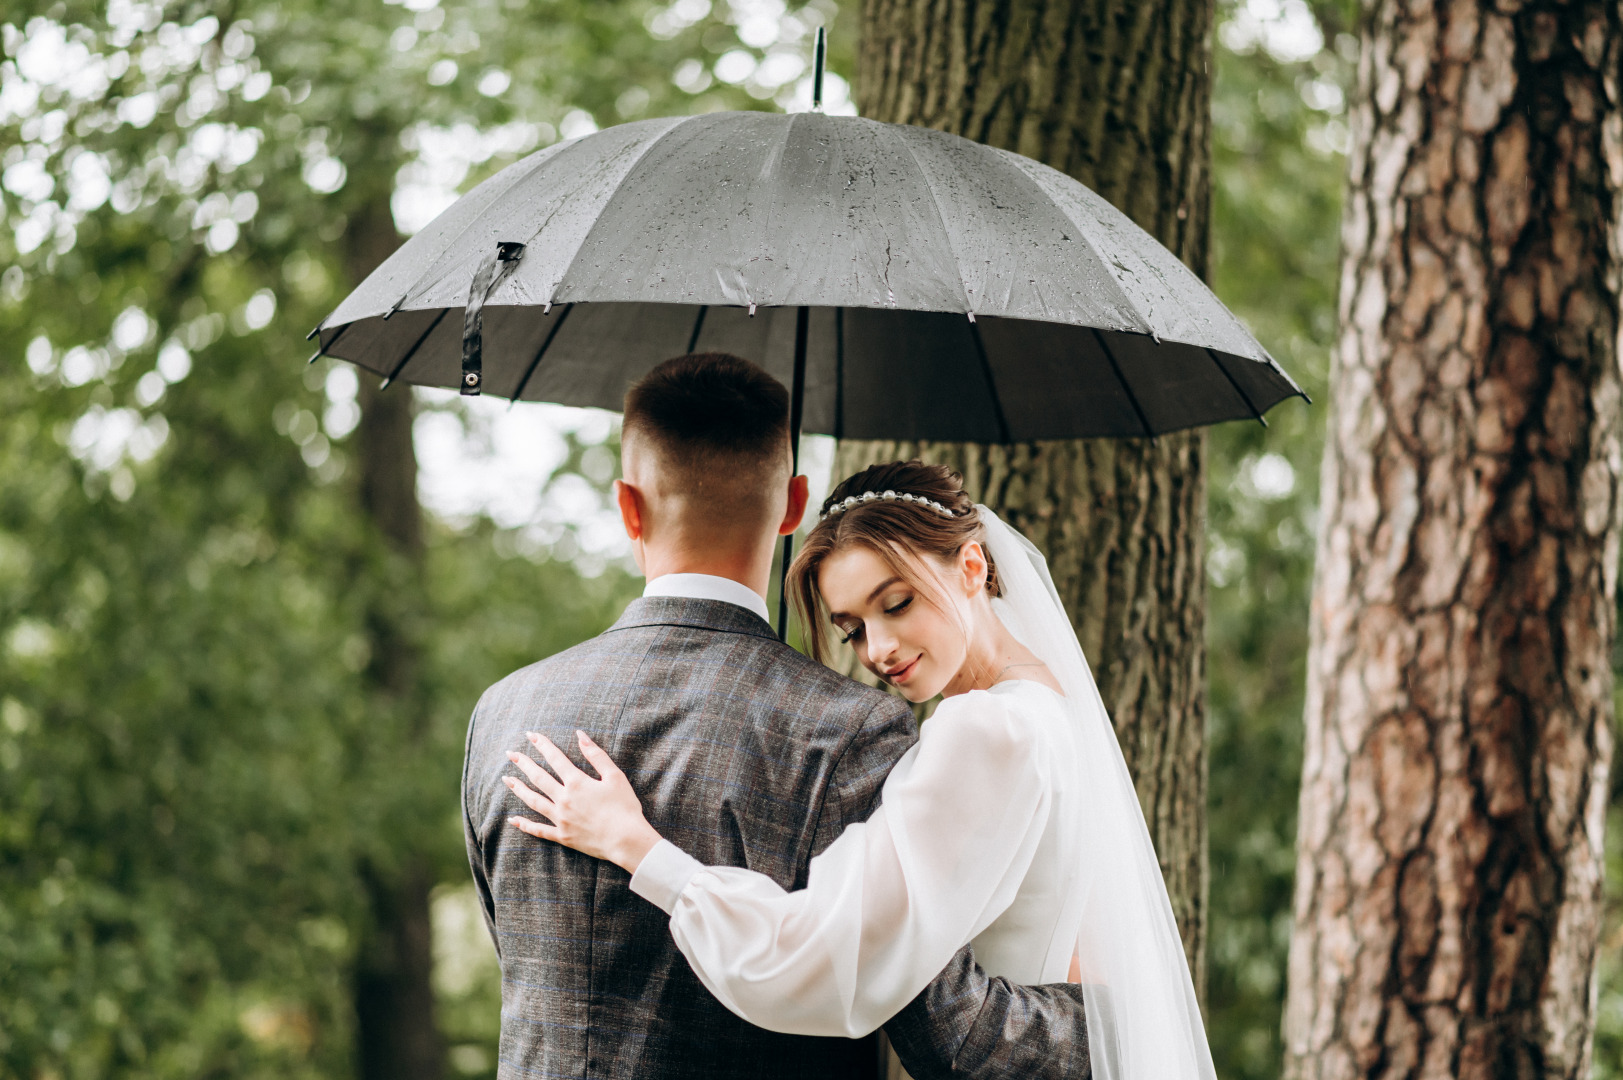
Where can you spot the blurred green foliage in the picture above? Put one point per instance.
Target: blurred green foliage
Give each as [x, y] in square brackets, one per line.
[1278, 133]
[190, 769]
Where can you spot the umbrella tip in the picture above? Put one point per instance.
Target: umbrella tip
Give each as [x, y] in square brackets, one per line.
[313, 333]
[314, 356]
[819, 61]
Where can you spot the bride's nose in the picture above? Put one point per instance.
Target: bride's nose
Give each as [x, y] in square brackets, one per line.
[882, 644]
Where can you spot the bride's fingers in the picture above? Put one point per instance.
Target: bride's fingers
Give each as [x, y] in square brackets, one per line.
[529, 796]
[538, 776]
[566, 769]
[538, 829]
[598, 757]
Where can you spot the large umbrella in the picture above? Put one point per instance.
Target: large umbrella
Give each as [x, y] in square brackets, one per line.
[906, 283]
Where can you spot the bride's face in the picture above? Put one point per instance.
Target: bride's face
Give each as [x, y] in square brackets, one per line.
[916, 642]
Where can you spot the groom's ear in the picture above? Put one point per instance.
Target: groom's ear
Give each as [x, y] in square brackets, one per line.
[799, 493]
[630, 501]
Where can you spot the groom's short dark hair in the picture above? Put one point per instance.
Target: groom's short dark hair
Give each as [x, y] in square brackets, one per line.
[713, 413]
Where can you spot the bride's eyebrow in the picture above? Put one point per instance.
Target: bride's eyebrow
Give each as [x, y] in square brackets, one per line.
[883, 585]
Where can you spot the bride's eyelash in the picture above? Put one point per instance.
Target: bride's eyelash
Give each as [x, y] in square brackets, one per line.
[855, 633]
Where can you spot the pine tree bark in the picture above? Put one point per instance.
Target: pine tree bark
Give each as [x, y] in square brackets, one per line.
[1117, 93]
[1448, 890]
[397, 1036]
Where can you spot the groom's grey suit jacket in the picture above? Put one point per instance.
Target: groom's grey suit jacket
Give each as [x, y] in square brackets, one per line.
[744, 753]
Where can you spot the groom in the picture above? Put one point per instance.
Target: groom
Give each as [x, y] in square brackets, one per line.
[743, 752]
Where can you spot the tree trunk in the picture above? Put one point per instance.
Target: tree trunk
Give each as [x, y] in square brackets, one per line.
[1448, 887]
[1117, 94]
[397, 1036]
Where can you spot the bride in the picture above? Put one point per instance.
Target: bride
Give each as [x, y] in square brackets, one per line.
[1011, 824]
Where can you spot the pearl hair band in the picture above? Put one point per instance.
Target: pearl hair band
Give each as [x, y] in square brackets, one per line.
[887, 496]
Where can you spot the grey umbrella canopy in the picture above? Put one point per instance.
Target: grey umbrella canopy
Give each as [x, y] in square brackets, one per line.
[937, 288]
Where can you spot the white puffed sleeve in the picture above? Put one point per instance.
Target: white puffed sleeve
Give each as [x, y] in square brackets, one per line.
[890, 901]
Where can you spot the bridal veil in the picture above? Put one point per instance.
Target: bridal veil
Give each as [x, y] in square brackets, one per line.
[1144, 1022]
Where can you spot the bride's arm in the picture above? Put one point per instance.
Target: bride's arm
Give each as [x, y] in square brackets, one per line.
[887, 904]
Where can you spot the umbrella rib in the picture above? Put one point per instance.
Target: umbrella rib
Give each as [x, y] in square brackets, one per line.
[559, 150]
[698, 324]
[991, 384]
[1238, 389]
[619, 189]
[1132, 398]
[518, 391]
[449, 243]
[323, 350]
[941, 218]
[1283, 374]
[411, 352]
[1021, 166]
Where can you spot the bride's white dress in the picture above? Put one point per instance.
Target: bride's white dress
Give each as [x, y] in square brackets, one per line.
[977, 838]
[1012, 824]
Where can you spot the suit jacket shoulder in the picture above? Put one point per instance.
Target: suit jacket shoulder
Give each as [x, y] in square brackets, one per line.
[743, 753]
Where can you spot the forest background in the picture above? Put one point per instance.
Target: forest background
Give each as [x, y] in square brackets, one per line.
[194, 782]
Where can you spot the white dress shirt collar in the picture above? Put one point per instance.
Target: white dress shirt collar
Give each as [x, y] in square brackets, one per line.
[709, 587]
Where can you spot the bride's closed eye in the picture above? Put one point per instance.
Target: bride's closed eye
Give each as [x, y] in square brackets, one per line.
[854, 632]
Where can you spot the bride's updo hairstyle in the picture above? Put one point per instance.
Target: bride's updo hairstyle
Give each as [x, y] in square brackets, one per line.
[902, 521]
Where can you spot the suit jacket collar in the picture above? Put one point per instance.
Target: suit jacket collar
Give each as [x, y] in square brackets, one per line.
[715, 615]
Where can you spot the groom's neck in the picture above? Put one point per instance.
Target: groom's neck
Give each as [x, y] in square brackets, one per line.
[748, 563]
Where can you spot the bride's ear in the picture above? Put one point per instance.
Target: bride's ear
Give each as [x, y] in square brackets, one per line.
[973, 567]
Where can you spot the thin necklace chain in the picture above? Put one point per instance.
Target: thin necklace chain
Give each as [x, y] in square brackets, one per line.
[1008, 667]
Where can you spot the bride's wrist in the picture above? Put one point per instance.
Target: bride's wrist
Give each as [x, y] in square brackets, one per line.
[636, 848]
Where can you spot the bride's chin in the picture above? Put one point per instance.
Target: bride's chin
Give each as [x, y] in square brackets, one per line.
[917, 693]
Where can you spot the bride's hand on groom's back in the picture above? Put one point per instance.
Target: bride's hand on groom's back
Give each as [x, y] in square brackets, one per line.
[601, 818]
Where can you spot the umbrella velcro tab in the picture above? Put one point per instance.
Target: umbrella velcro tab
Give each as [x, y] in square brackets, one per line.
[493, 270]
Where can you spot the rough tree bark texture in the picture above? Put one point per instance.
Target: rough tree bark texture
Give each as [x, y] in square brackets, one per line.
[1459, 685]
[397, 1037]
[1117, 94]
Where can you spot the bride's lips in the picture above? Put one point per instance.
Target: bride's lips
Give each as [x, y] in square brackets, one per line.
[900, 674]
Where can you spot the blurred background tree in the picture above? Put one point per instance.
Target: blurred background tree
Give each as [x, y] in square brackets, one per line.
[191, 767]
[1117, 96]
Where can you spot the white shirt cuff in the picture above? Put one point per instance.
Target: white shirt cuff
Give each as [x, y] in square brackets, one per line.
[662, 875]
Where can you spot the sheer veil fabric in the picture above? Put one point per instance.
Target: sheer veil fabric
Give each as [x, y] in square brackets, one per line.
[1144, 1021]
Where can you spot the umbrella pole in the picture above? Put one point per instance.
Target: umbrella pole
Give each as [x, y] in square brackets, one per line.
[797, 393]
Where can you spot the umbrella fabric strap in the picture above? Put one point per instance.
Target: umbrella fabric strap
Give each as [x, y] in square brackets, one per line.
[493, 270]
